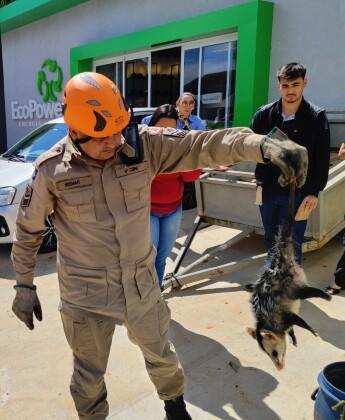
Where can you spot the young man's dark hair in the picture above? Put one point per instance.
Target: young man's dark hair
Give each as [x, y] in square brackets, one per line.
[291, 71]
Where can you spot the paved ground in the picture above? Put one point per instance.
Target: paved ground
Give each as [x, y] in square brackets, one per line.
[228, 377]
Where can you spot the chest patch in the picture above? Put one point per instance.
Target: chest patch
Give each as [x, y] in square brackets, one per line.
[68, 184]
[155, 131]
[172, 132]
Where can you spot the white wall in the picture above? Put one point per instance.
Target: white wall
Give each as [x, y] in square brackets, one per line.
[309, 31]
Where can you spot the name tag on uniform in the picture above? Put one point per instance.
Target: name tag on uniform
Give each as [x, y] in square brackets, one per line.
[71, 183]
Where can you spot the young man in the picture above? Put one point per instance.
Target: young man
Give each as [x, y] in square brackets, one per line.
[307, 125]
[100, 198]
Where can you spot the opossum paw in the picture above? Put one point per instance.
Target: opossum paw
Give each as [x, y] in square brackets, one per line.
[330, 291]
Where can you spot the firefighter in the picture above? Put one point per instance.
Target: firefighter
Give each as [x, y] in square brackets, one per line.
[96, 184]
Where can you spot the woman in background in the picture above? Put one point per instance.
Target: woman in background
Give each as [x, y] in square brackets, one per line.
[166, 197]
[185, 105]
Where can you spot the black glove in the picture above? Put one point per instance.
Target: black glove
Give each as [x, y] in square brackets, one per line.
[290, 157]
[26, 303]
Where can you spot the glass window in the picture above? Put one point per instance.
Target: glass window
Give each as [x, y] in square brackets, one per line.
[232, 79]
[165, 76]
[191, 71]
[136, 82]
[113, 71]
[119, 81]
[213, 84]
[209, 73]
[108, 70]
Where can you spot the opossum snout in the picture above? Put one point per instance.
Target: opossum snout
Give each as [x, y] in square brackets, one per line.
[279, 365]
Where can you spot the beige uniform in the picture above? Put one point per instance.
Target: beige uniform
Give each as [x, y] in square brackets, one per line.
[105, 257]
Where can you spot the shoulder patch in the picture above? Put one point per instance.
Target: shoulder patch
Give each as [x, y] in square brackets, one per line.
[155, 131]
[173, 132]
[26, 199]
[48, 155]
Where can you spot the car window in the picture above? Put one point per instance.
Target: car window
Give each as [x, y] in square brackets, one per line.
[139, 117]
[37, 142]
[140, 114]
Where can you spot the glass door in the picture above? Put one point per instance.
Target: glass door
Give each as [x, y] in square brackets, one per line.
[165, 76]
[131, 75]
[209, 73]
[136, 80]
[113, 70]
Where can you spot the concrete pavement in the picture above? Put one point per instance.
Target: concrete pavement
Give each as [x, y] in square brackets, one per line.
[227, 376]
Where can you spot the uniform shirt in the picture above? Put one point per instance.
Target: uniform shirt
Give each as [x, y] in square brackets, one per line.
[105, 258]
[195, 123]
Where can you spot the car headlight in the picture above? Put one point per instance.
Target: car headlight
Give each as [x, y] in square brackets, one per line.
[7, 195]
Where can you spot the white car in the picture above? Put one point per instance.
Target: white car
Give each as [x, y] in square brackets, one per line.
[17, 167]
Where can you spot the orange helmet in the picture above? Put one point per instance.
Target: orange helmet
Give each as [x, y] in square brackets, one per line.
[93, 105]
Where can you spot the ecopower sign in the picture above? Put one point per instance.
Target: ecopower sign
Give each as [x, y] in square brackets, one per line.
[49, 85]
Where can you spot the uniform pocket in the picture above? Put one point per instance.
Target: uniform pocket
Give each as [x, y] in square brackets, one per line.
[136, 190]
[145, 275]
[83, 286]
[88, 336]
[150, 326]
[164, 315]
[78, 205]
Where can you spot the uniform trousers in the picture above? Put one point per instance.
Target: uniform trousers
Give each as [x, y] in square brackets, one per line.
[90, 338]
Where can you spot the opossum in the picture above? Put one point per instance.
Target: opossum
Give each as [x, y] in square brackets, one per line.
[277, 295]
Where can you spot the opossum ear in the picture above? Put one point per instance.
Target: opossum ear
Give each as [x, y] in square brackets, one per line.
[293, 319]
[251, 332]
[268, 334]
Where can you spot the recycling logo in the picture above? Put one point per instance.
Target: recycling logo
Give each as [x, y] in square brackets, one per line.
[49, 80]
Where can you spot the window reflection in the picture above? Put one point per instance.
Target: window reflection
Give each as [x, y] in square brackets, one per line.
[191, 71]
[213, 83]
[165, 79]
[113, 71]
[136, 82]
[209, 73]
[108, 70]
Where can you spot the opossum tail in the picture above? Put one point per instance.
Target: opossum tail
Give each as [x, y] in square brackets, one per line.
[284, 241]
[288, 224]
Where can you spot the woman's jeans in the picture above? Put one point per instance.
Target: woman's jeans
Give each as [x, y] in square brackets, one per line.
[164, 231]
[273, 214]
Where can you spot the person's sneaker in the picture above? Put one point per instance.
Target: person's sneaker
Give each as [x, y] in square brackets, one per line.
[176, 409]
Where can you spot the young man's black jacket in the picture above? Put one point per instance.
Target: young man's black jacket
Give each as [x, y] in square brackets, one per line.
[310, 129]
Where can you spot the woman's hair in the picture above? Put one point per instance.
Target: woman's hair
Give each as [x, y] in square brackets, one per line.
[186, 94]
[163, 111]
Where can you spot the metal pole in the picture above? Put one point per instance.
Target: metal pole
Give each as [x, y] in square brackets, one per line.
[186, 245]
[220, 248]
[178, 281]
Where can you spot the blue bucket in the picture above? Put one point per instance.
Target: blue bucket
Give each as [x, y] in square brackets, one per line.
[331, 390]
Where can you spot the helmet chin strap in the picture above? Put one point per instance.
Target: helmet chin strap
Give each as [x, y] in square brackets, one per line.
[78, 141]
